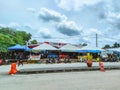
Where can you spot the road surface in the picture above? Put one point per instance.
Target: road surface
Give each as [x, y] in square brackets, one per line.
[85, 80]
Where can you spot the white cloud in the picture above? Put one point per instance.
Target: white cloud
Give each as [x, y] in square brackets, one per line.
[68, 28]
[110, 40]
[109, 16]
[86, 39]
[92, 31]
[50, 15]
[109, 12]
[64, 26]
[89, 36]
[33, 10]
[113, 19]
[3, 25]
[65, 4]
[11, 25]
[44, 33]
[14, 25]
[75, 4]
[28, 27]
[24, 27]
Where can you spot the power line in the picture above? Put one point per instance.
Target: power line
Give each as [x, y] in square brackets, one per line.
[89, 36]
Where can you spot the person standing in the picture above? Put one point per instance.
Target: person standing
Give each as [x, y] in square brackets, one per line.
[20, 61]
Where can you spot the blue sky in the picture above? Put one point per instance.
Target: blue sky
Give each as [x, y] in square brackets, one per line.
[69, 21]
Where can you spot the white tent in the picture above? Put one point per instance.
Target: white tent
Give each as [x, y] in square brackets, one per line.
[69, 47]
[45, 46]
[114, 49]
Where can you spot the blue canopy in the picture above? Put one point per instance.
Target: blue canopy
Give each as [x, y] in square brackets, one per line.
[94, 51]
[19, 47]
[26, 48]
[82, 51]
[16, 47]
[89, 51]
[52, 55]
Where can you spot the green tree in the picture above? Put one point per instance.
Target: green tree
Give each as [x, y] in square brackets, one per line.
[7, 31]
[84, 44]
[34, 42]
[116, 45]
[9, 37]
[5, 41]
[107, 46]
[23, 37]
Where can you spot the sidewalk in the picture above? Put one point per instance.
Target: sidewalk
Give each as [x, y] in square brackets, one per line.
[45, 68]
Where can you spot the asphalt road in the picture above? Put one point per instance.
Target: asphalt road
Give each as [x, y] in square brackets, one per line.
[86, 80]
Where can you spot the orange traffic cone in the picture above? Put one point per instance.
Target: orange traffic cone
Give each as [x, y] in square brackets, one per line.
[13, 69]
[102, 69]
[1, 62]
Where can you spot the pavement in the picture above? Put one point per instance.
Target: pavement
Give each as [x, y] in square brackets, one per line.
[80, 80]
[62, 67]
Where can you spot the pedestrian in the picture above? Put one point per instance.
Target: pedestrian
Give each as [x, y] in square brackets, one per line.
[20, 61]
[69, 60]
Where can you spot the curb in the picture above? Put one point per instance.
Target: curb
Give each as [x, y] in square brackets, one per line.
[64, 69]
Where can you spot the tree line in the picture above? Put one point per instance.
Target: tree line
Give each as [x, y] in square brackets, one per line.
[10, 37]
[115, 45]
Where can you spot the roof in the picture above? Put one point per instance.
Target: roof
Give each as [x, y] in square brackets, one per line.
[69, 47]
[44, 46]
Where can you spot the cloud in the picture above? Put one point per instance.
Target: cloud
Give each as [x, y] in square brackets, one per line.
[91, 32]
[21, 27]
[63, 25]
[109, 16]
[14, 25]
[68, 28]
[71, 29]
[108, 12]
[102, 9]
[33, 10]
[109, 40]
[89, 36]
[28, 27]
[50, 15]
[44, 33]
[65, 4]
[75, 4]
[2, 25]
[114, 20]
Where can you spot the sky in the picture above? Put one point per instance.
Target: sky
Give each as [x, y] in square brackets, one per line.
[67, 21]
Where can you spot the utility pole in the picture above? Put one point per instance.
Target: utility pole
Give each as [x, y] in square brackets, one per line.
[96, 40]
